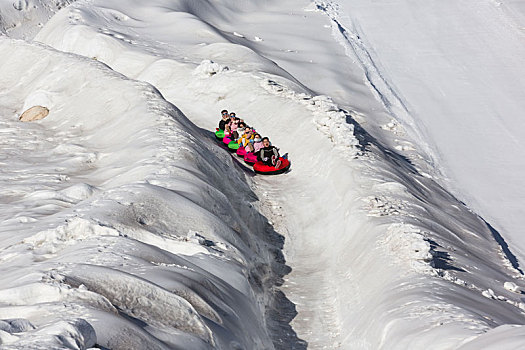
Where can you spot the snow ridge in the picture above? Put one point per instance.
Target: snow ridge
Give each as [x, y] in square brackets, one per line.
[352, 41]
[121, 229]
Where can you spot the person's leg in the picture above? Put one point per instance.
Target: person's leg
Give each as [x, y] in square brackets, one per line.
[273, 160]
[268, 162]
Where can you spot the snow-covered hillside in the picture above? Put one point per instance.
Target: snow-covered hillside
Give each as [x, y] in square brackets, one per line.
[456, 69]
[125, 225]
[24, 18]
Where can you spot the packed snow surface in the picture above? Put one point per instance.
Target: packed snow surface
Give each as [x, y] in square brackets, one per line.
[125, 225]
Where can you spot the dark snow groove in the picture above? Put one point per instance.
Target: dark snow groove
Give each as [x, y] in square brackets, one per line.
[505, 247]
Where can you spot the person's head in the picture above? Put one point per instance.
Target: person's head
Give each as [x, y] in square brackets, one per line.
[242, 125]
[232, 114]
[224, 114]
[257, 138]
[266, 142]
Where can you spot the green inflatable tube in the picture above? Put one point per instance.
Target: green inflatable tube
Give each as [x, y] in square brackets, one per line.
[219, 134]
[233, 146]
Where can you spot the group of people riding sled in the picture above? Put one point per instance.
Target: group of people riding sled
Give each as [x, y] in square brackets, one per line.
[249, 144]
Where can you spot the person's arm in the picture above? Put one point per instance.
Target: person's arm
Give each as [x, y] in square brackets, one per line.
[275, 152]
[260, 154]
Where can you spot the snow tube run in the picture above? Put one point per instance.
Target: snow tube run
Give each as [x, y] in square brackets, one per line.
[250, 158]
[262, 168]
[233, 146]
[241, 152]
[219, 134]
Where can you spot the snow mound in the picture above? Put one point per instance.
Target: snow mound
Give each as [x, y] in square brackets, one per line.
[73, 334]
[51, 241]
[209, 68]
[141, 299]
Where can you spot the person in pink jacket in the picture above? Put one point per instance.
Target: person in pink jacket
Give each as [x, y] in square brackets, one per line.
[255, 144]
[234, 124]
[231, 127]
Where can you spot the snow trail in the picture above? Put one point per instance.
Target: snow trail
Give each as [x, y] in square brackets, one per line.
[376, 253]
[310, 283]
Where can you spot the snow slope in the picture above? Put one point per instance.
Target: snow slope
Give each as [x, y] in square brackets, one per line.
[134, 229]
[123, 227]
[457, 68]
[23, 19]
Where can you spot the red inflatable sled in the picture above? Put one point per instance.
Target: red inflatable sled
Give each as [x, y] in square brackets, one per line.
[261, 168]
[250, 158]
